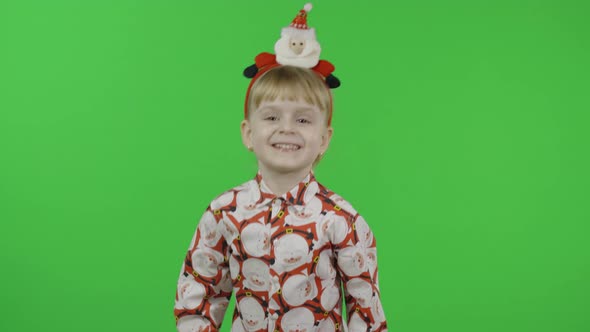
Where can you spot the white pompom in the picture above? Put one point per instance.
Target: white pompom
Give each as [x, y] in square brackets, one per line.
[307, 7]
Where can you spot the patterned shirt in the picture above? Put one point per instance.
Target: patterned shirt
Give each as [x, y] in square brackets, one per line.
[285, 258]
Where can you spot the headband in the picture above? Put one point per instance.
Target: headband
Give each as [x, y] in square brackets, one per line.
[297, 47]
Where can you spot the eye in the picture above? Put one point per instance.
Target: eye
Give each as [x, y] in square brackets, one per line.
[301, 44]
[303, 121]
[294, 44]
[271, 118]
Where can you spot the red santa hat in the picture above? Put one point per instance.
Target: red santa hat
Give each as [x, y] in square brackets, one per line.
[298, 26]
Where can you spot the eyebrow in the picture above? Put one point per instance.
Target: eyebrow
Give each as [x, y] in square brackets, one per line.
[299, 109]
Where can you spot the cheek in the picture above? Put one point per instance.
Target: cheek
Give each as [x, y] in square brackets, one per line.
[260, 136]
[316, 137]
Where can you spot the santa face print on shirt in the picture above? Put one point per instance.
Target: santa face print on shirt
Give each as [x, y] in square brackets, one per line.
[352, 260]
[246, 200]
[256, 239]
[327, 325]
[357, 323]
[257, 275]
[227, 229]
[209, 230]
[234, 267]
[377, 310]
[325, 268]
[286, 136]
[193, 324]
[304, 214]
[217, 309]
[372, 261]
[299, 288]
[222, 200]
[298, 320]
[225, 283]
[364, 233]
[361, 290]
[190, 292]
[331, 228]
[330, 295]
[342, 203]
[206, 260]
[252, 314]
[291, 251]
[301, 215]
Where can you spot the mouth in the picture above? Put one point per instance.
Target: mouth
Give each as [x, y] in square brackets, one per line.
[286, 147]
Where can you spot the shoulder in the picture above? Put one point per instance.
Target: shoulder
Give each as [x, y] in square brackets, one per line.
[335, 201]
[356, 221]
[345, 225]
[227, 199]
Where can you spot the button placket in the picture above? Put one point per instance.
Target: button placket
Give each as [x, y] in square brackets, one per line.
[278, 210]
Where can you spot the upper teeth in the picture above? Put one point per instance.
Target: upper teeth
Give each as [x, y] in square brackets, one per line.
[286, 146]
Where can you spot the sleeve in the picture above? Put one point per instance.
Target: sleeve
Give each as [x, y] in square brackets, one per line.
[204, 285]
[356, 258]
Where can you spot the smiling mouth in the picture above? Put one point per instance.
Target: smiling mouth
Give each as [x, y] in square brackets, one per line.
[286, 147]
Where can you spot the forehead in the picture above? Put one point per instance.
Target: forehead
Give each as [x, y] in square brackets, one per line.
[286, 93]
[284, 89]
[288, 106]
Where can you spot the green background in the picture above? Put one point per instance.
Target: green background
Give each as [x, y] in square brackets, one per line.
[460, 133]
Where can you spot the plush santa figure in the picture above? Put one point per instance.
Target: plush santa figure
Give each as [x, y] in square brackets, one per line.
[296, 47]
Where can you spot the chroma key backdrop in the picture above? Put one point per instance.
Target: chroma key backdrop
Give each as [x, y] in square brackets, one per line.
[460, 134]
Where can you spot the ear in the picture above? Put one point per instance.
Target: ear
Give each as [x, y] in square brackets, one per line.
[246, 133]
[326, 138]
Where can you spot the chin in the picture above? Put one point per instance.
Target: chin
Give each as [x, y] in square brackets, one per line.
[286, 168]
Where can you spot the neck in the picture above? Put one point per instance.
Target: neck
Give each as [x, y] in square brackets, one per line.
[280, 183]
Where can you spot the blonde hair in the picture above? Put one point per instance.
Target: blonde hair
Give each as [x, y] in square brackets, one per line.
[291, 83]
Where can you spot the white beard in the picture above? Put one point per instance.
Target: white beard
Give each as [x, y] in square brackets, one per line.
[309, 58]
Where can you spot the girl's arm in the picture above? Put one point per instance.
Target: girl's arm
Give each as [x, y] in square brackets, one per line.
[357, 264]
[204, 285]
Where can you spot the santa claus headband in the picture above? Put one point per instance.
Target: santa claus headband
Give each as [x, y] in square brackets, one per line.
[296, 47]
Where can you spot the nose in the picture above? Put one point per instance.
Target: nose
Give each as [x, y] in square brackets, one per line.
[285, 131]
[286, 126]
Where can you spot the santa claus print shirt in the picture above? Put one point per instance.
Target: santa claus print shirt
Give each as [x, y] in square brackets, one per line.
[285, 259]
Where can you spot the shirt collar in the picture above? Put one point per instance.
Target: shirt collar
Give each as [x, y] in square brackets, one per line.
[295, 196]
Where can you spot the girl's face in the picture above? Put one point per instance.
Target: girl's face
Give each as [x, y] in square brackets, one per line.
[286, 136]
